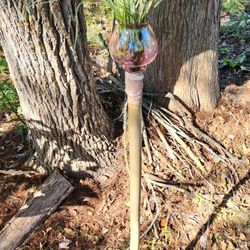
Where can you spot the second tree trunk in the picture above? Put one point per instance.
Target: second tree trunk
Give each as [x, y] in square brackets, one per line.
[187, 62]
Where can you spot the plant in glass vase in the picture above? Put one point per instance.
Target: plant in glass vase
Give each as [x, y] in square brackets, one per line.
[133, 46]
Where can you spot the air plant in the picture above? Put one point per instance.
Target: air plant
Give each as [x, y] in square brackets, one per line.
[131, 12]
[133, 44]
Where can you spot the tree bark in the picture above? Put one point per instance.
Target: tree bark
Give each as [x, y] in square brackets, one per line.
[187, 62]
[46, 48]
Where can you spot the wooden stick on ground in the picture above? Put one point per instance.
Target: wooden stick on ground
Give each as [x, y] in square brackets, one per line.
[37, 208]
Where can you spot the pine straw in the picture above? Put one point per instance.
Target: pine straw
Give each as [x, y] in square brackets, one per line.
[179, 163]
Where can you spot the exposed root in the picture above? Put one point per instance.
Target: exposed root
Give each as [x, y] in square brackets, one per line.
[178, 158]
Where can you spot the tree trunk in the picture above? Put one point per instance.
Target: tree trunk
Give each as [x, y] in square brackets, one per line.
[187, 62]
[46, 48]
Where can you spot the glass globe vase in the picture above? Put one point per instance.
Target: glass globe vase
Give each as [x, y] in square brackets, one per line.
[133, 47]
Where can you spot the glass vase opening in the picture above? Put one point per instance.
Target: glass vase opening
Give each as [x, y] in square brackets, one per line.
[133, 47]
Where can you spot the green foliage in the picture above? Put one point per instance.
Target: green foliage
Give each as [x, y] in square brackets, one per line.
[237, 31]
[153, 244]
[235, 6]
[9, 101]
[8, 96]
[97, 15]
[3, 66]
[234, 61]
[129, 12]
[248, 227]
[21, 129]
[238, 26]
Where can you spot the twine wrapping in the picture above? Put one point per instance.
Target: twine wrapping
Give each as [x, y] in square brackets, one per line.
[134, 86]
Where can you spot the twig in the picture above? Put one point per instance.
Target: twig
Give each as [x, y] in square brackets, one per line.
[157, 209]
[165, 143]
[162, 183]
[151, 225]
[188, 150]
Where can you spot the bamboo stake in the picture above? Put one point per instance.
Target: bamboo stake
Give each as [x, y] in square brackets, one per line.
[134, 90]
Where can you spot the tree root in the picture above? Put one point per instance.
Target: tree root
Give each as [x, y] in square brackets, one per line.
[174, 148]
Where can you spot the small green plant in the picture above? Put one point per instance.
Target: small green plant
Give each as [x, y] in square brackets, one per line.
[8, 96]
[97, 16]
[237, 31]
[130, 12]
[247, 225]
[3, 66]
[153, 244]
[217, 237]
[233, 62]
[224, 50]
[21, 129]
[238, 26]
[235, 6]
[9, 101]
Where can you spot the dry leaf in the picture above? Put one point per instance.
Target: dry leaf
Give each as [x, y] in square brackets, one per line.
[65, 244]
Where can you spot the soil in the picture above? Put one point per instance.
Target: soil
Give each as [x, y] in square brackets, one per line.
[95, 217]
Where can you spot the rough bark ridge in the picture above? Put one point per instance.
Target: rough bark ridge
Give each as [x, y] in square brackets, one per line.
[187, 62]
[50, 67]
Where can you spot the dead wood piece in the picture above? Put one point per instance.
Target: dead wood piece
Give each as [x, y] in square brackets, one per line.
[166, 144]
[162, 183]
[37, 208]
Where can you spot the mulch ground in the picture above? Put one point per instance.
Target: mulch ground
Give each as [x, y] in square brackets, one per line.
[98, 218]
[93, 218]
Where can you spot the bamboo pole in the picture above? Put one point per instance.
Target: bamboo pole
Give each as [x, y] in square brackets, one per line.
[134, 90]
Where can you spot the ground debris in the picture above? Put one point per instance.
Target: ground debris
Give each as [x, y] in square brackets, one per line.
[37, 208]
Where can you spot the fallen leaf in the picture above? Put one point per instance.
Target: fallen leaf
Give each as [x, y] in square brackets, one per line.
[164, 223]
[65, 244]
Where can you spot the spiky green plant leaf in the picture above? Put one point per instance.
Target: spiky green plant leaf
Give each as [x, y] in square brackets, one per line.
[131, 12]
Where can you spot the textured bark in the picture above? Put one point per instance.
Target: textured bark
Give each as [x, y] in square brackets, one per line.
[50, 67]
[35, 210]
[187, 62]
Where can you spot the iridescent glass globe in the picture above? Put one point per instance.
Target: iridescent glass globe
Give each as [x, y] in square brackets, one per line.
[133, 47]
